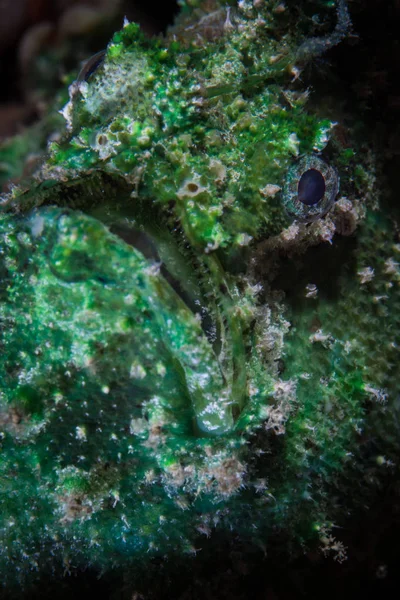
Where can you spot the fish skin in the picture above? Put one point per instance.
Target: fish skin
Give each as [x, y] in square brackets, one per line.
[179, 355]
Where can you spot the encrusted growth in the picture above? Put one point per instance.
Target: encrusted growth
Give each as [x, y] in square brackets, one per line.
[180, 354]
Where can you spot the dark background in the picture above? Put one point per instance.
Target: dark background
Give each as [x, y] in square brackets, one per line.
[71, 29]
[364, 72]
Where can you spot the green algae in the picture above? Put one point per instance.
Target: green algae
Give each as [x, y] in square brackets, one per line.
[177, 354]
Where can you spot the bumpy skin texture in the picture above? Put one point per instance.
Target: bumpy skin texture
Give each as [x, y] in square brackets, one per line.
[178, 354]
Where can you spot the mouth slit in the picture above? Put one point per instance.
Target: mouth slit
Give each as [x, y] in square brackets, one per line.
[142, 242]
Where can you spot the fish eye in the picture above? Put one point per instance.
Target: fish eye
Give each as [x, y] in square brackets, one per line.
[310, 189]
[91, 65]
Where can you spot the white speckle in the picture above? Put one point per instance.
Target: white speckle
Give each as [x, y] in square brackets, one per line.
[391, 267]
[243, 239]
[377, 394]
[322, 137]
[290, 233]
[37, 225]
[377, 299]
[218, 170]
[293, 144]
[114, 495]
[366, 275]
[285, 389]
[105, 389]
[228, 25]
[153, 270]
[326, 230]
[274, 58]
[296, 72]
[137, 371]
[137, 426]
[278, 9]
[81, 434]
[211, 247]
[347, 347]
[269, 190]
[311, 290]
[161, 370]
[67, 111]
[260, 485]
[320, 337]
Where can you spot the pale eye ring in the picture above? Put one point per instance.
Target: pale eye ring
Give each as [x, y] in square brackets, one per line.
[310, 189]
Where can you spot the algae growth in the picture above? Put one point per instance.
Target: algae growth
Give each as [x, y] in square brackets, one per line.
[199, 323]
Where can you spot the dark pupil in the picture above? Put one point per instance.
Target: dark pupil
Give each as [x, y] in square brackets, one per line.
[311, 187]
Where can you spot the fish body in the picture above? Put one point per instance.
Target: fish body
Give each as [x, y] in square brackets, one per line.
[199, 327]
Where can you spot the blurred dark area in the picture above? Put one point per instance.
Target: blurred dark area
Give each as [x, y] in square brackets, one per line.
[41, 41]
[364, 73]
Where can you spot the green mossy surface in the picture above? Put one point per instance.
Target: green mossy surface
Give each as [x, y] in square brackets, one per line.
[177, 355]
